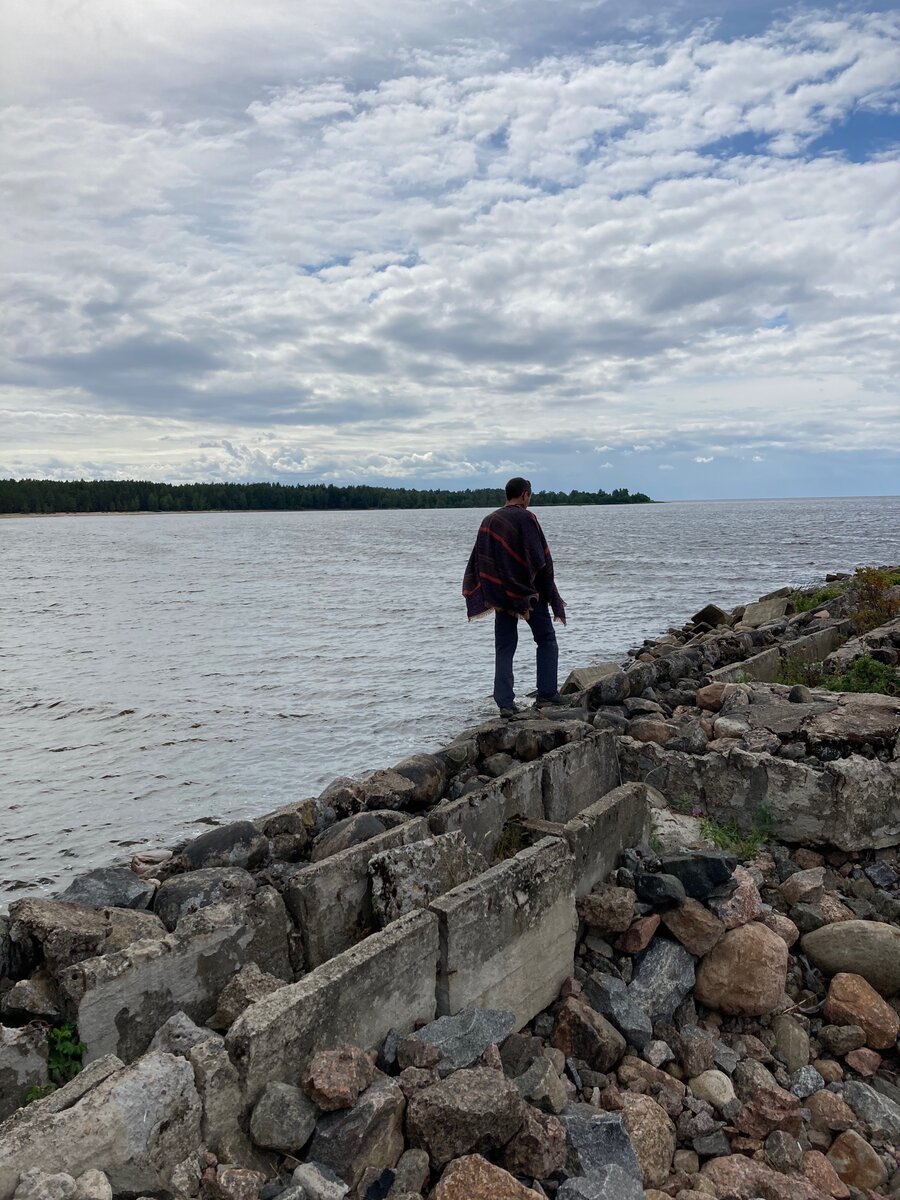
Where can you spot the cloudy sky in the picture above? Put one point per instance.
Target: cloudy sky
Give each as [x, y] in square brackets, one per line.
[651, 245]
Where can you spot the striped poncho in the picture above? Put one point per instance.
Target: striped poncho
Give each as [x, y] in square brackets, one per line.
[510, 567]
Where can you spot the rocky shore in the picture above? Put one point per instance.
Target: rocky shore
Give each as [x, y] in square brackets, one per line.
[646, 944]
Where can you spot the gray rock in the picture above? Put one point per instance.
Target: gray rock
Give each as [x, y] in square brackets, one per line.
[283, 1119]
[352, 831]
[183, 894]
[32, 998]
[461, 1039]
[612, 999]
[805, 1081]
[222, 1103]
[711, 1145]
[841, 1039]
[368, 1135]
[411, 1173]
[318, 1182]
[237, 844]
[469, 1112]
[658, 889]
[541, 1086]
[608, 1183]
[611, 689]
[109, 887]
[700, 872]
[43, 1185]
[243, 989]
[783, 1152]
[92, 1185]
[406, 878]
[663, 976]
[879, 1112]
[596, 1140]
[750, 1077]
[66, 933]
[178, 1035]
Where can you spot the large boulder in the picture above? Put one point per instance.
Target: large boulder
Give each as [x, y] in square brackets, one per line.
[353, 831]
[469, 1112]
[137, 1124]
[867, 948]
[64, 933]
[428, 774]
[187, 893]
[109, 887]
[237, 844]
[745, 973]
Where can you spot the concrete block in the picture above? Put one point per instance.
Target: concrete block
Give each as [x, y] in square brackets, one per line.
[764, 611]
[816, 647]
[582, 678]
[761, 668]
[480, 816]
[118, 1001]
[384, 983]
[508, 937]
[599, 834]
[331, 900]
[577, 775]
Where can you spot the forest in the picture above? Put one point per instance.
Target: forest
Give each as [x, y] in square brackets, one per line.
[137, 495]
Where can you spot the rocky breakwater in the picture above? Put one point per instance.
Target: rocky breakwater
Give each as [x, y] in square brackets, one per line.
[515, 967]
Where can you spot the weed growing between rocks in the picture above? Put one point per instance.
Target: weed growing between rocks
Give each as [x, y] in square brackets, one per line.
[864, 674]
[872, 603]
[64, 1054]
[733, 840]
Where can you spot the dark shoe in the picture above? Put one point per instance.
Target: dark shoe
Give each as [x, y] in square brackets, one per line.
[550, 701]
[510, 712]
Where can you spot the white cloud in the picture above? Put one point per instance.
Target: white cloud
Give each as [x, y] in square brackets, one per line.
[373, 252]
[665, 467]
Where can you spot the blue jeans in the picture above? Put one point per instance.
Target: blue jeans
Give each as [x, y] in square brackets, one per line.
[506, 638]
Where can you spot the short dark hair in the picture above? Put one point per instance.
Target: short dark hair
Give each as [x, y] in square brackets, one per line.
[517, 487]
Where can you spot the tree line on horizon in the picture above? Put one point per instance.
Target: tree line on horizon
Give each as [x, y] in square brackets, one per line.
[133, 495]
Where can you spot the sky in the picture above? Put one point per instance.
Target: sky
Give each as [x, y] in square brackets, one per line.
[441, 242]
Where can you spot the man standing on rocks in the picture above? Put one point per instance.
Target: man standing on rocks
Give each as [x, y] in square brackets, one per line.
[510, 572]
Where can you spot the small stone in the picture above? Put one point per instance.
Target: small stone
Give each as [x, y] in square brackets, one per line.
[853, 1001]
[856, 1162]
[783, 1152]
[701, 873]
[608, 1182]
[829, 1111]
[805, 1082]
[658, 889]
[717, 1089]
[750, 1077]
[282, 1119]
[608, 909]
[460, 1040]
[694, 926]
[471, 1111]
[652, 1135]
[656, 1053]
[743, 905]
[745, 974]
[780, 924]
[696, 1050]
[597, 1139]
[541, 1086]
[664, 974]
[368, 1135]
[411, 1173]
[334, 1079]
[581, 1032]
[474, 1178]
[611, 998]
[821, 1174]
[36, 1184]
[791, 1042]
[841, 1039]
[864, 1062]
[243, 989]
[236, 1183]
[538, 1149]
[639, 936]
[804, 887]
[880, 1112]
[93, 1185]
[831, 1071]
[318, 1183]
[768, 1109]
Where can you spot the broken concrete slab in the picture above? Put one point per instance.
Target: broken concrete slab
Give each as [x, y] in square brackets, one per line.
[851, 803]
[410, 877]
[331, 900]
[496, 927]
[385, 982]
[481, 816]
[598, 835]
[23, 1064]
[764, 668]
[857, 718]
[135, 1125]
[578, 774]
[764, 611]
[119, 1000]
